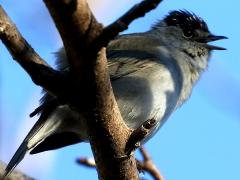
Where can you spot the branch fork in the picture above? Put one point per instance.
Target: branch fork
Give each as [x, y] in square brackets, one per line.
[84, 40]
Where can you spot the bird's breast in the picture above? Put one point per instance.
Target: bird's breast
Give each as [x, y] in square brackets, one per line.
[148, 93]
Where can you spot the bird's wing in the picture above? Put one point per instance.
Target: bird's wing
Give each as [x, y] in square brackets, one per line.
[42, 142]
[47, 106]
[61, 136]
[126, 62]
[127, 54]
[55, 141]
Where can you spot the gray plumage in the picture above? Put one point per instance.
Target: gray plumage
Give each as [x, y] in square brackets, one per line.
[152, 74]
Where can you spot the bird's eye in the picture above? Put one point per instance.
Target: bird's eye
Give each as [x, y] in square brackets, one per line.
[187, 34]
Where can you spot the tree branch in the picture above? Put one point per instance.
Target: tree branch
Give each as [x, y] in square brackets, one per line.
[121, 24]
[148, 165]
[106, 129]
[138, 135]
[87, 162]
[25, 55]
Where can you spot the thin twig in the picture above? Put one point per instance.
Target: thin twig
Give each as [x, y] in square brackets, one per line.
[121, 24]
[25, 55]
[138, 135]
[148, 165]
[88, 162]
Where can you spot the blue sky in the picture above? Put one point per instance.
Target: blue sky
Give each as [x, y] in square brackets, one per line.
[199, 141]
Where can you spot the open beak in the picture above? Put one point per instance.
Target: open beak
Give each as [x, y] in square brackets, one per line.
[211, 38]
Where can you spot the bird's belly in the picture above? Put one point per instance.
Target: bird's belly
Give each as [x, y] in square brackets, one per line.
[141, 98]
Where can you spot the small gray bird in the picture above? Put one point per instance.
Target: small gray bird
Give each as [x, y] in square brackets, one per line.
[152, 73]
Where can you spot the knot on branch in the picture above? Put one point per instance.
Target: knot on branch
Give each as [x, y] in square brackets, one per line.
[3, 27]
[138, 135]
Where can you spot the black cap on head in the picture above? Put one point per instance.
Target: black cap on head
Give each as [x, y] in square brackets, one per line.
[185, 20]
[193, 28]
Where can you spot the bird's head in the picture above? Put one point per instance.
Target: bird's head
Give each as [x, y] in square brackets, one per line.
[187, 32]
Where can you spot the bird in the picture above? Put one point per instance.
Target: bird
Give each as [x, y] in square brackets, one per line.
[152, 74]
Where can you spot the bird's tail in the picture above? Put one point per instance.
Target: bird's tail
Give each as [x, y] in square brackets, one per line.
[18, 156]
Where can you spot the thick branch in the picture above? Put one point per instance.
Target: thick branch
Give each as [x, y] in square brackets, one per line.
[107, 132]
[78, 28]
[25, 55]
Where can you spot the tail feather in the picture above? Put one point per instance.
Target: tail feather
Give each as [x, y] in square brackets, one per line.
[18, 156]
